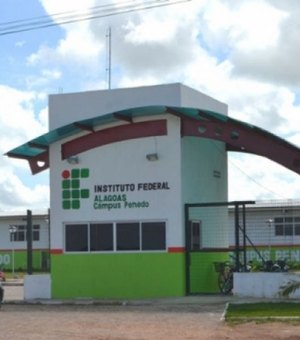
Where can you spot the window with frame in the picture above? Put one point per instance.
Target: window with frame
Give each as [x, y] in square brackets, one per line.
[287, 226]
[88, 237]
[297, 226]
[141, 236]
[153, 235]
[20, 234]
[128, 236]
[36, 232]
[101, 237]
[76, 237]
[118, 236]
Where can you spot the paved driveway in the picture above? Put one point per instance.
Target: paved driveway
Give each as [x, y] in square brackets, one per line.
[190, 318]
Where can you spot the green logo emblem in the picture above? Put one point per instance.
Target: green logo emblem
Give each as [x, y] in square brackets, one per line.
[72, 193]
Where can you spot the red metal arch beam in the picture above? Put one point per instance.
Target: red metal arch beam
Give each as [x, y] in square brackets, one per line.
[243, 138]
[39, 163]
[114, 134]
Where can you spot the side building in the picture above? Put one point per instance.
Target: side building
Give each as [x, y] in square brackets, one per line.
[272, 230]
[13, 241]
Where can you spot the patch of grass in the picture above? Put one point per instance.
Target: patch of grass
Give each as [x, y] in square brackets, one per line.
[274, 311]
[17, 274]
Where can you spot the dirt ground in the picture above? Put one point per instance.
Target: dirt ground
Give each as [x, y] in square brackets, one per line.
[130, 322]
[160, 320]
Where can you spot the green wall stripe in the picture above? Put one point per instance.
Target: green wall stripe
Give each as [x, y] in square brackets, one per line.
[20, 260]
[203, 277]
[124, 276]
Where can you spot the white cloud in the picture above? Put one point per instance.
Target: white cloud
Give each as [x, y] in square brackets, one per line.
[242, 25]
[43, 78]
[43, 117]
[17, 196]
[17, 120]
[269, 180]
[18, 124]
[273, 62]
[156, 44]
[204, 44]
[20, 43]
[78, 47]
[244, 53]
[54, 7]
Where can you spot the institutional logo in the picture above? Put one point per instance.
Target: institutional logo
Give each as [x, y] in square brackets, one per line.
[72, 193]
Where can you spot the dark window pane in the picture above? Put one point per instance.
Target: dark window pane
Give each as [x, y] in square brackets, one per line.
[288, 229]
[297, 219]
[297, 229]
[195, 235]
[279, 230]
[128, 236]
[36, 232]
[35, 235]
[20, 236]
[154, 236]
[278, 219]
[288, 220]
[76, 237]
[101, 237]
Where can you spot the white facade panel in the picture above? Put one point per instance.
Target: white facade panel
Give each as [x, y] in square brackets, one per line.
[125, 163]
[193, 98]
[204, 179]
[68, 108]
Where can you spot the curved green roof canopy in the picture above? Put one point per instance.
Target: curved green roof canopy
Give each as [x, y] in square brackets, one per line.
[237, 135]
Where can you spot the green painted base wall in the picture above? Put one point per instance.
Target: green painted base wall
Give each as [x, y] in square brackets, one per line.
[113, 276]
[39, 260]
[203, 277]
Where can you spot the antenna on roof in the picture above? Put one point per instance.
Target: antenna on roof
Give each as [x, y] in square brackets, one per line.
[108, 57]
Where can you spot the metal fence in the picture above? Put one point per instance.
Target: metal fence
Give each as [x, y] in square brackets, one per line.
[269, 234]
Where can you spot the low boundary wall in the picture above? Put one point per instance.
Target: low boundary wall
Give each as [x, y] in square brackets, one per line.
[263, 285]
[37, 286]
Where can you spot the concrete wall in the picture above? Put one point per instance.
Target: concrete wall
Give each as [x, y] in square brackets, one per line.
[71, 107]
[204, 179]
[37, 287]
[263, 285]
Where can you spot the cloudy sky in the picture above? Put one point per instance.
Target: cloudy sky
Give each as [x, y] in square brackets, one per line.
[244, 53]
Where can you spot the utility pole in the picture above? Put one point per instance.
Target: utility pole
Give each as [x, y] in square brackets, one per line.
[108, 56]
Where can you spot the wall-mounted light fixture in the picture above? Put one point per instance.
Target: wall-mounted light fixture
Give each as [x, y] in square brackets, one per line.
[73, 160]
[151, 157]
